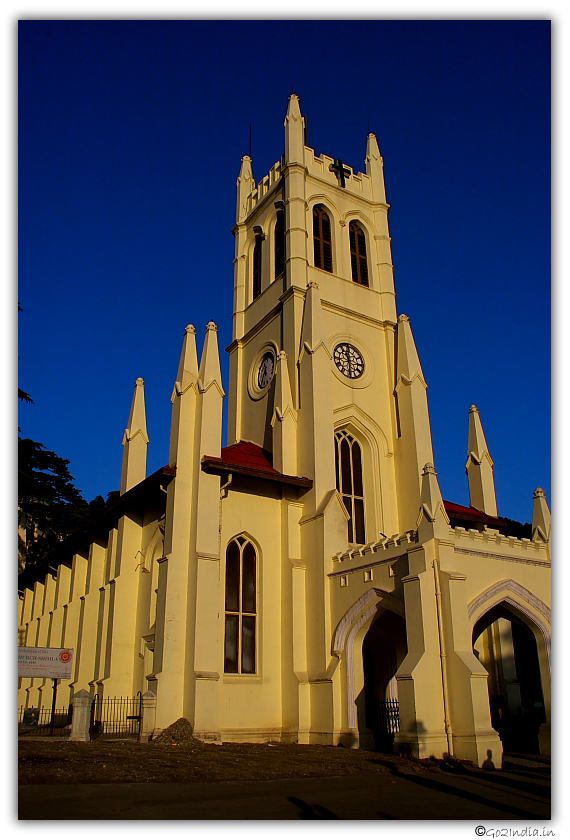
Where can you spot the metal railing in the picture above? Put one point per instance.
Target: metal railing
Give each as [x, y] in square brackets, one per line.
[383, 718]
[116, 717]
[388, 717]
[40, 721]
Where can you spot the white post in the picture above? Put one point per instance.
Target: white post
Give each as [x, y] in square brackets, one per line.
[81, 716]
[148, 716]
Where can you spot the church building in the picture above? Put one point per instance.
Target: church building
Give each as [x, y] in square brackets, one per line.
[307, 583]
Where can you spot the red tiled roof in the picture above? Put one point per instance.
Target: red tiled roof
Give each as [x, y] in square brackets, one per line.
[246, 454]
[247, 458]
[462, 512]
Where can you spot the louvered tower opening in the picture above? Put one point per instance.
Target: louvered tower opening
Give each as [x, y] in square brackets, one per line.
[257, 267]
[279, 244]
[358, 260]
[322, 239]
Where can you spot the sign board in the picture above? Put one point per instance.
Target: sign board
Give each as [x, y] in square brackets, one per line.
[45, 662]
[31, 717]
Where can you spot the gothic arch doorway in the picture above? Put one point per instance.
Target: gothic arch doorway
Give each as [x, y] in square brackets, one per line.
[506, 646]
[384, 648]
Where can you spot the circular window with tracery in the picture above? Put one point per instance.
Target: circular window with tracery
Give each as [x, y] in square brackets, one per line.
[349, 360]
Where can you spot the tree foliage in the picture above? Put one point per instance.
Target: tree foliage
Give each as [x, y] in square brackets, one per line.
[24, 396]
[43, 477]
[51, 508]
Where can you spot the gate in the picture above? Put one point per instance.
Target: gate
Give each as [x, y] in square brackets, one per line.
[385, 723]
[116, 717]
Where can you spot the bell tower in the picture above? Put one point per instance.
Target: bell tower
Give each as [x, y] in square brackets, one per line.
[315, 378]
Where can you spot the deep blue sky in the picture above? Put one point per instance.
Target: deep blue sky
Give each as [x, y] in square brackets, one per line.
[130, 140]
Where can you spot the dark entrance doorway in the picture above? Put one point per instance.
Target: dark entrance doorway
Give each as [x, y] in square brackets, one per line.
[383, 650]
[507, 648]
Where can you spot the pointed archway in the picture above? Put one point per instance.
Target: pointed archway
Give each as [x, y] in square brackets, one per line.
[506, 646]
[347, 645]
[384, 648]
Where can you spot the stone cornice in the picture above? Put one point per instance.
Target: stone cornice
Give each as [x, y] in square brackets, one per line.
[243, 340]
[353, 314]
[385, 561]
[508, 557]
[293, 291]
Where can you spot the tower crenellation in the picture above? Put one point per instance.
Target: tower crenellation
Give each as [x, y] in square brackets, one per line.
[319, 167]
[262, 188]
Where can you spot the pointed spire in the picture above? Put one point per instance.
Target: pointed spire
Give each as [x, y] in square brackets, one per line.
[315, 435]
[284, 421]
[188, 366]
[477, 443]
[294, 132]
[313, 329]
[294, 108]
[375, 169]
[135, 441]
[210, 372]
[479, 467]
[137, 417]
[540, 516]
[408, 360]
[283, 397]
[413, 444]
[185, 387]
[211, 398]
[433, 520]
[245, 185]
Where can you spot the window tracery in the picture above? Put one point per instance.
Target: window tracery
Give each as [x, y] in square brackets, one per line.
[348, 461]
[240, 607]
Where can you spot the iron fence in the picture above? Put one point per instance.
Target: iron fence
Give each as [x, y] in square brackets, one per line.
[38, 721]
[116, 717]
[383, 718]
[387, 717]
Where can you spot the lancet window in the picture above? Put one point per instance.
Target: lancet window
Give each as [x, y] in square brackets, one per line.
[241, 607]
[257, 266]
[358, 260]
[348, 457]
[322, 238]
[279, 243]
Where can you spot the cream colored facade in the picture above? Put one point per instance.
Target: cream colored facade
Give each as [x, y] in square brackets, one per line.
[227, 582]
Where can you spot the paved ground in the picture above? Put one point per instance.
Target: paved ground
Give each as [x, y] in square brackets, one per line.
[519, 794]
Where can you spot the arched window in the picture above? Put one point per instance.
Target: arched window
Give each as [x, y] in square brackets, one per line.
[241, 607]
[257, 266]
[348, 456]
[322, 239]
[358, 254]
[279, 244]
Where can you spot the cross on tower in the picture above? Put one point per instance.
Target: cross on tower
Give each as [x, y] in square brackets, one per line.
[340, 170]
